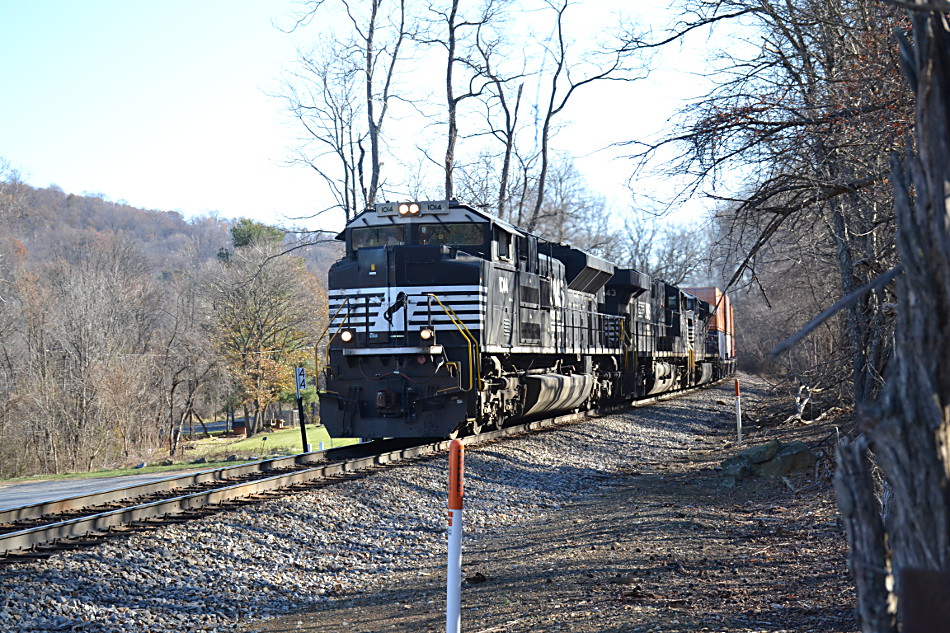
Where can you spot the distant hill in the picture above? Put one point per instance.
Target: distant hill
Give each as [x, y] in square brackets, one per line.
[47, 217]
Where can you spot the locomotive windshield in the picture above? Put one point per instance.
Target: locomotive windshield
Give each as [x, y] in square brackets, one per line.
[449, 234]
[370, 236]
[436, 234]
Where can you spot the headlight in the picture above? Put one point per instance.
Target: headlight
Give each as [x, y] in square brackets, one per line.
[426, 334]
[346, 336]
[409, 208]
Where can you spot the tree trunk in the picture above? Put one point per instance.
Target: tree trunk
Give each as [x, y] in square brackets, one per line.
[511, 123]
[909, 432]
[452, 104]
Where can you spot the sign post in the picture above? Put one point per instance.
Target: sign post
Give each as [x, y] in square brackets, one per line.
[300, 379]
[453, 600]
[738, 413]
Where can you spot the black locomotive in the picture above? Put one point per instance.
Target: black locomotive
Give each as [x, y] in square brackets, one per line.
[445, 319]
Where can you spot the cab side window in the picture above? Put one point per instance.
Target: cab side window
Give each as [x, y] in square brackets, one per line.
[503, 241]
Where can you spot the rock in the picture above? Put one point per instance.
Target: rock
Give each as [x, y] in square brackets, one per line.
[200, 460]
[793, 457]
[167, 462]
[231, 458]
[762, 452]
[737, 468]
[624, 579]
[772, 459]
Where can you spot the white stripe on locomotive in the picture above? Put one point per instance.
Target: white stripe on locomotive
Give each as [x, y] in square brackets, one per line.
[467, 302]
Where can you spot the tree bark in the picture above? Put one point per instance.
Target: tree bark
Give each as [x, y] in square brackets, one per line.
[909, 431]
[861, 512]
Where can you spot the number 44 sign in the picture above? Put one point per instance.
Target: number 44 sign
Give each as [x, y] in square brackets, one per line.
[300, 376]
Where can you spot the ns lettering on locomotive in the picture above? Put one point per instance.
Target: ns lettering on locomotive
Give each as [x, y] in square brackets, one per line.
[445, 319]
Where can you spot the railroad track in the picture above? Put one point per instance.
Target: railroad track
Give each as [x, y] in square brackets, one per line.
[41, 529]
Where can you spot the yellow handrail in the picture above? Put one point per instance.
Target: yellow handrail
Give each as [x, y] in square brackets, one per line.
[316, 346]
[474, 369]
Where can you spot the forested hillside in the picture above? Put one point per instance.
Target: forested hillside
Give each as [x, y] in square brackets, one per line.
[118, 325]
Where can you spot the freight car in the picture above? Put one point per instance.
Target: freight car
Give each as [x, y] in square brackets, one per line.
[445, 319]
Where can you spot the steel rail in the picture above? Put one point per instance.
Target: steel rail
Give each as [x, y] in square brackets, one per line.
[104, 521]
[131, 491]
[36, 511]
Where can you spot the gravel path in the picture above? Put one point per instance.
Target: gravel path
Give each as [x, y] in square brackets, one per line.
[315, 551]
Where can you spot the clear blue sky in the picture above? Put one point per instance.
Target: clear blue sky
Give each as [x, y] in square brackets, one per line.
[164, 104]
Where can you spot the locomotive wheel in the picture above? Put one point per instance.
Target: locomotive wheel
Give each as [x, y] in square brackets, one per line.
[470, 427]
[473, 427]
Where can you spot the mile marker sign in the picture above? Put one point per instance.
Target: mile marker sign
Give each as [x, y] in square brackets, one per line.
[300, 375]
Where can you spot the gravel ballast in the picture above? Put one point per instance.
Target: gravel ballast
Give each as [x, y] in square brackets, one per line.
[319, 550]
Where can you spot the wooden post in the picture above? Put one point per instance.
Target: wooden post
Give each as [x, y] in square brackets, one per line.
[924, 600]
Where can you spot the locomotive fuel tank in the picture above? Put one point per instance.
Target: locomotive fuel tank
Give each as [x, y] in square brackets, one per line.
[664, 378]
[556, 392]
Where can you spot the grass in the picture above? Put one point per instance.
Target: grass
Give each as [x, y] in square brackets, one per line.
[114, 472]
[215, 450]
[282, 442]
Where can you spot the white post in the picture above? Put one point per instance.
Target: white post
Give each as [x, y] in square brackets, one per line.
[738, 413]
[453, 599]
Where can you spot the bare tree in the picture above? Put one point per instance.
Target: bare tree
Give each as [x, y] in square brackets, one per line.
[908, 432]
[468, 48]
[89, 319]
[372, 50]
[187, 359]
[563, 83]
[11, 191]
[667, 251]
[323, 96]
[809, 115]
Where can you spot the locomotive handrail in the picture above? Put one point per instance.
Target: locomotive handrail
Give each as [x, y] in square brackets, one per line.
[343, 321]
[596, 331]
[636, 345]
[346, 300]
[474, 374]
[625, 342]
